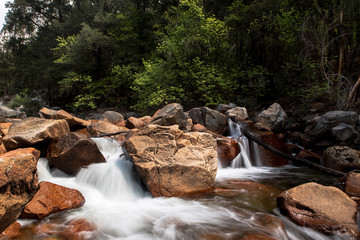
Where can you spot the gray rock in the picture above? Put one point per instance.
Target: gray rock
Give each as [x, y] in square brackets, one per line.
[344, 132]
[224, 107]
[332, 119]
[171, 114]
[274, 117]
[211, 119]
[6, 112]
[113, 117]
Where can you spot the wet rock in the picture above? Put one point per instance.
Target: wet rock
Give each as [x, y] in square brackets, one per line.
[4, 128]
[352, 186]
[171, 114]
[52, 198]
[114, 118]
[224, 107]
[209, 118]
[132, 123]
[173, 163]
[33, 131]
[237, 114]
[274, 118]
[306, 154]
[6, 112]
[344, 132]
[227, 149]
[72, 152]
[325, 209]
[332, 119]
[18, 183]
[101, 127]
[269, 158]
[61, 114]
[12, 232]
[75, 229]
[341, 158]
[256, 236]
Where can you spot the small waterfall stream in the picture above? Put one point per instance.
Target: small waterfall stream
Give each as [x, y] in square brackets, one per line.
[122, 209]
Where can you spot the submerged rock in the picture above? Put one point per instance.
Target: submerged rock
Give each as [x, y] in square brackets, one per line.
[52, 198]
[213, 120]
[33, 131]
[171, 114]
[72, 152]
[274, 118]
[173, 163]
[325, 209]
[341, 158]
[18, 183]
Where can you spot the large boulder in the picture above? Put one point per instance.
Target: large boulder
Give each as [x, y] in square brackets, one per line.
[6, 112]
[332, 119]
[52, 198]
[274, 118]
[173, 163]
[227, 149]
[224, 107]
[33, 131]
[237, 114]
[325, 209]
[171, 114]
[72, 152]
[18, 183]
[211, 119]
[344, 132]
[61, 114]
[341, 158]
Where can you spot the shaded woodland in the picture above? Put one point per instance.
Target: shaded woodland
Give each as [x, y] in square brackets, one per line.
[142, 55]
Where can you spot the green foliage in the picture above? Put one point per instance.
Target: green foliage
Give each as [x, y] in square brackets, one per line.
[188, 64]
[30, 105]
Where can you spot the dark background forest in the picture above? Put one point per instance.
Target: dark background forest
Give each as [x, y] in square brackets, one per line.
[141, 54]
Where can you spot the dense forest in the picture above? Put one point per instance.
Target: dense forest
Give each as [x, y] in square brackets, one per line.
[143, 54]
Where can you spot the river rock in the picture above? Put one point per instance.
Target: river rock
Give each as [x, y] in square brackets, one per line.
[213, 120]
[72, 152]
[61, 114]
[6, 112]
[173, 163]
[269, 158]
[227, 149]
[224, 107]
[75, 229]
[344, 132]
[19, 183]
[325, 209]
[352, 186]
[132, 123]
[52, 198]
[101, 127]
[237, 114]
[171, 114]
[11, 232]
[34, 131]
[332, 119]
[341, 158]
[114, 118]
[274, 118]
[4, 128]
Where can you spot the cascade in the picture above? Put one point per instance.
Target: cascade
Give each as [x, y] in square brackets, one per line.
[249, 151]
[121, 209]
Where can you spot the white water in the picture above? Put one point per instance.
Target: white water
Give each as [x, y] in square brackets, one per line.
[121, 209]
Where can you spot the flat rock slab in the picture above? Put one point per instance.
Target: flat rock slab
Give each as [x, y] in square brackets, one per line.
[32, 131]
[52, 198]
[325, 209]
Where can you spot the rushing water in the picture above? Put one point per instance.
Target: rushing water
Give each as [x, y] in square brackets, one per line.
[120, 207]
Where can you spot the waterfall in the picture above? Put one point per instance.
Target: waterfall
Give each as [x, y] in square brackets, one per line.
[249, 151]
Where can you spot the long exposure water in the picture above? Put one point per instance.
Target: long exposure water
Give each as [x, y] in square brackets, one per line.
[120, 207]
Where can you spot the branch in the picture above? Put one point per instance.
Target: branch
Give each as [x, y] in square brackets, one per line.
[352, 94]
[291, 158]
